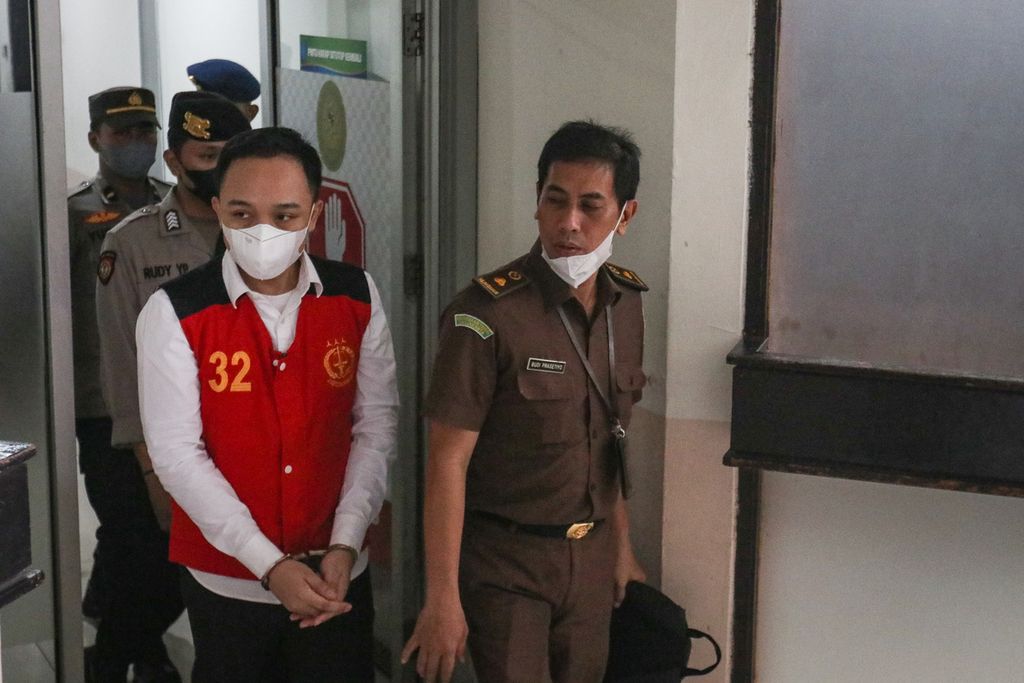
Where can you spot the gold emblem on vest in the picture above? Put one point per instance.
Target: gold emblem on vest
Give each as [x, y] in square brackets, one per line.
[340, 363]
[196, 126]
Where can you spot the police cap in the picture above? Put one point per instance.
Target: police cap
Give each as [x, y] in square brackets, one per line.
[203, 116]
[122, 106]
[227, 78]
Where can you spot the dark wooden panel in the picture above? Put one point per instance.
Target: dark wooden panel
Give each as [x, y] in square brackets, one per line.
[15, 538]
[15, 548]
[886, 422]
[17, 586]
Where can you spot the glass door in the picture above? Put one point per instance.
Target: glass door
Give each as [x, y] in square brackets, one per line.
[346, 80]
[34, 366]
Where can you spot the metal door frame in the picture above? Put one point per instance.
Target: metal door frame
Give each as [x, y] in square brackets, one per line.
[49, 90]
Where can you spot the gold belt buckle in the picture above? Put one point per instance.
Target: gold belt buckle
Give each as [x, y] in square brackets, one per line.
[578, 530]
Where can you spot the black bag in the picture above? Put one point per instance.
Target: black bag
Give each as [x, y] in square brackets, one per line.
[650, 640]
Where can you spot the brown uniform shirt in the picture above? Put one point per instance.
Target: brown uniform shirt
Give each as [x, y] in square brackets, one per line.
[506, 368]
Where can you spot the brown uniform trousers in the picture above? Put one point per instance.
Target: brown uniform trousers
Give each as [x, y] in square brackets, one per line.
[531, 603]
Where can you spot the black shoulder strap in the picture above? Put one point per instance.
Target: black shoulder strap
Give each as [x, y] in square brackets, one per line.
[693, 633]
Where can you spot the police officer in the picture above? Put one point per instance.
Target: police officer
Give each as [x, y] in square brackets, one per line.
[538, 365]
[230, 79]
[122, 131]
[149, 247]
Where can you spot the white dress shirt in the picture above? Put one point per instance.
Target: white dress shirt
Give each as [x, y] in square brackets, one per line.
[169, 400]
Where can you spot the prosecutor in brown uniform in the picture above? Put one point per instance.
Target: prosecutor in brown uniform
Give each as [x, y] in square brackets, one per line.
[526, 530]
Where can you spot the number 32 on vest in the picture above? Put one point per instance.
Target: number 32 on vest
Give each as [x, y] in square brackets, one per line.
[233, 379]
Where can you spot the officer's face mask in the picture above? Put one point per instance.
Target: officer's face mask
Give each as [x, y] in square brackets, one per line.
[204, 183]
[575, 270]
[129, 160]
[263, 251]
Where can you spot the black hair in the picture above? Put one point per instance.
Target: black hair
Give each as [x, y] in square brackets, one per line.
[266, 143]
[583, 140]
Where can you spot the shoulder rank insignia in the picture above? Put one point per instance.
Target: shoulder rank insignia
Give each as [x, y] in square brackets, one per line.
[102, 217]
[473, 323]
[501, 282]
[171, 221]
[626, 277]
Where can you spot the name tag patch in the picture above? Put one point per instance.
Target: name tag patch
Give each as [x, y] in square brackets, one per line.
[545, 365]
[473, 323]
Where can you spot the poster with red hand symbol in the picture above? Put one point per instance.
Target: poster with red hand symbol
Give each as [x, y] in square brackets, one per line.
[348, 121]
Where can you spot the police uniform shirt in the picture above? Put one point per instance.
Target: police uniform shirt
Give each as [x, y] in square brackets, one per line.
[506, 368]
[150, 247]
[93, 209]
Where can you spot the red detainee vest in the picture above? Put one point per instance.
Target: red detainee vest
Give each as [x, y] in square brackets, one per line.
[277, 426]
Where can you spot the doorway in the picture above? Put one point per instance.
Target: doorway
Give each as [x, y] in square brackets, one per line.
[412, 248]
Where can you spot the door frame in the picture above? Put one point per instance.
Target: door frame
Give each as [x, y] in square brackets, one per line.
[67, 573]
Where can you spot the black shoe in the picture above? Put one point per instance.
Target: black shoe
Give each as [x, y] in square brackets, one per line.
[98, 670]
[155, 672]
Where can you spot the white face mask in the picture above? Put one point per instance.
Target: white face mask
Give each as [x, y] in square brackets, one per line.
[575, 270]
[263, 251]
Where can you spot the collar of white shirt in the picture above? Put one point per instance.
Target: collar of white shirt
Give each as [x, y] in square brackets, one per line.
[236, 286]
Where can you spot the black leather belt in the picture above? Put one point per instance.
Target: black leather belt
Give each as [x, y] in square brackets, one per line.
[574, 531]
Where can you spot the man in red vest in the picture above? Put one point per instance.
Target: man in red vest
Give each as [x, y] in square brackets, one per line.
[269, 403]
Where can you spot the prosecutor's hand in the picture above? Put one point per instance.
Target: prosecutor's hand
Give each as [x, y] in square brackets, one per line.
[626, 569]
[303, 592]
[159, 499]
[336, 571]
[440, 636]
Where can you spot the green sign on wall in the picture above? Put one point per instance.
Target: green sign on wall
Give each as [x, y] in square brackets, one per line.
[333, 56]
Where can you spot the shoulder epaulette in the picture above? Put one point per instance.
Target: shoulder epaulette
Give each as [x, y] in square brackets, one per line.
[161, 184]
[79, 188]
[626, 277]
[150, 210]
[502, 281]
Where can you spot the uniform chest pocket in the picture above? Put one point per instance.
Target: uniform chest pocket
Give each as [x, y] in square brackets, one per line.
[630, 382]
[551, 411]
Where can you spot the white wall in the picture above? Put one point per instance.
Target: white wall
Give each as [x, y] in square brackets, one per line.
[705, 311]
[100, 40]
[228, 29]
[876, 582]
[857, 581]
[100, 43]
[309, 17]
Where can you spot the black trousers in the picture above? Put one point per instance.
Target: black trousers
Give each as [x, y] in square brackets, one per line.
[251, 642]
[133, 588]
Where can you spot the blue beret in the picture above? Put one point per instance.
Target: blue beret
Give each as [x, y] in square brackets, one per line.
[227, 78]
